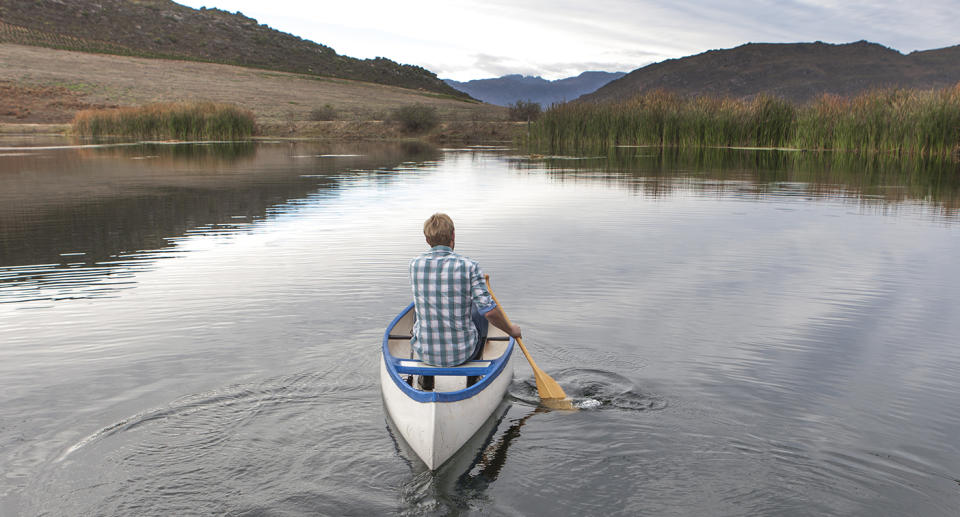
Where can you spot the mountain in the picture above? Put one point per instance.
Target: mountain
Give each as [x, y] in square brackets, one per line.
[164, 29]
[509, 89]
[794, 71]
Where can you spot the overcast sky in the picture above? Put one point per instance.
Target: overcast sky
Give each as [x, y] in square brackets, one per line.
[473, 39]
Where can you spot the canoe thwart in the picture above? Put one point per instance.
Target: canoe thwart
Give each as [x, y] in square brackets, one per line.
[489, 338]
[414, 367]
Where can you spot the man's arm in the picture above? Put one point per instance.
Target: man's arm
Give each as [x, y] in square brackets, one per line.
[497, 319]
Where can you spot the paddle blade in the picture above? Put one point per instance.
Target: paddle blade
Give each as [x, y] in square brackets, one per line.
[551, 394]
[547, 387]
[565, 404]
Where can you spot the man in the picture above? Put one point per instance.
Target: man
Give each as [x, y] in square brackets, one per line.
[452, 303]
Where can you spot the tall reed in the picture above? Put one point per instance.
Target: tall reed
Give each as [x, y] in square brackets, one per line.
[178, 121]
[908, 122]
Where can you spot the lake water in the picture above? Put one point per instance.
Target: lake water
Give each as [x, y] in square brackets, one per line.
[194, 329]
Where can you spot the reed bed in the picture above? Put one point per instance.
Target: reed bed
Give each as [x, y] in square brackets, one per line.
[897, 121]
[175, 121]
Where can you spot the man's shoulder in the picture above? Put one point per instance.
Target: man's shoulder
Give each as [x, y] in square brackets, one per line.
[467, 261]
[445, 255]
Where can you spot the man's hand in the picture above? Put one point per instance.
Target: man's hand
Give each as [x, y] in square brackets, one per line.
[515, 331]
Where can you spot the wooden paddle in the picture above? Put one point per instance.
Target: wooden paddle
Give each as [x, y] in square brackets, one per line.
[550, 392]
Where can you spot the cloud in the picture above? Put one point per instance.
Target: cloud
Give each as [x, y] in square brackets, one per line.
[470, 39]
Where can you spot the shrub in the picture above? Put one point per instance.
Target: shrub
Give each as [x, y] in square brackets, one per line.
[324, 113]
[181, 121]
[416, 118]
[524, 111]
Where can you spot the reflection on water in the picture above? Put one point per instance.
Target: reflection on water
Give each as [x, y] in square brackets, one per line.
[80, 223]
[744, 333]
[873, 180]
[453, 487]
[460, 485]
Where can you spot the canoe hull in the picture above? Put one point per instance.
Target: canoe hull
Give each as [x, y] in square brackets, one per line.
[437, 430]
[437, 423]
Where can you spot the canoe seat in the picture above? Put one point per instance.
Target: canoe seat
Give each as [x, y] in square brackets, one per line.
[414, 367]
[408, 337]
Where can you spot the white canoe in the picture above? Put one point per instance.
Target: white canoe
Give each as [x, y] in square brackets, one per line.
[436, 424]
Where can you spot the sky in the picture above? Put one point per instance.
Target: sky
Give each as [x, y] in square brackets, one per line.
[475, 39]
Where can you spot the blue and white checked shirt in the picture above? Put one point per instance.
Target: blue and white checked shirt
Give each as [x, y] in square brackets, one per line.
[446, 286]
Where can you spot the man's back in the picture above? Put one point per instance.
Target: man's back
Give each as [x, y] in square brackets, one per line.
[446, 286]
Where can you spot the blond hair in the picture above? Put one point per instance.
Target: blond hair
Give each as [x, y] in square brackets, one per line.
[438, 230]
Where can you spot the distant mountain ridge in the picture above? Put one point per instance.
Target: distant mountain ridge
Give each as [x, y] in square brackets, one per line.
[509, 89]
[164, 29]
[794, 71]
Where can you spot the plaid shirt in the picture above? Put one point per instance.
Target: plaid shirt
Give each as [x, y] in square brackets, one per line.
[446, 286]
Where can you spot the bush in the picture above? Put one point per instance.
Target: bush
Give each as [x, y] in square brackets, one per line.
[416, 118]
[325, 113]
[524, 111]
[179, 121]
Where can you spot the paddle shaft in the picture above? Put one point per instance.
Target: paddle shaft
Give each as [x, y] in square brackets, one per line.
[546, 386]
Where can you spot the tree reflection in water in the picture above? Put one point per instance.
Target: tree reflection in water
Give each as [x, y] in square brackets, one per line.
[80, 222]
[878, 181]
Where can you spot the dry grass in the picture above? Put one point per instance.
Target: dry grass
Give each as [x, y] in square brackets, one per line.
[177, 121]
[43, 104]
[907, 122]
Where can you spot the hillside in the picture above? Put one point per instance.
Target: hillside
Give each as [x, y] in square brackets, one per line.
[509, 89]
[794, 71]
[42, 85]
[164, 29]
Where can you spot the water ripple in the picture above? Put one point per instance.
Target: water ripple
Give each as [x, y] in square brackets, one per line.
[205, 447]
[592, 389]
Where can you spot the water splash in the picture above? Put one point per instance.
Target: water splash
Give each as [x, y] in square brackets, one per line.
[591, 389]
[588, 404]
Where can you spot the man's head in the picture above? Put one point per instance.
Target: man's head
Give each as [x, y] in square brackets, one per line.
[438, 230]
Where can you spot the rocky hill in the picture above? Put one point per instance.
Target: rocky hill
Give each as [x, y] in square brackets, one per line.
[509, 89]
[795, 71]
[164, 29]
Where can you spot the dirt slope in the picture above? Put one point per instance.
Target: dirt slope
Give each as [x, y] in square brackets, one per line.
[45, 85]
[161, 28]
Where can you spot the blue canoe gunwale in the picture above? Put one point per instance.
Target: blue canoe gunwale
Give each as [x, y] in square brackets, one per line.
[491, 371]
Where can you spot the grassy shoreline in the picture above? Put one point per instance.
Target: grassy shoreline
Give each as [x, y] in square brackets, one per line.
[180, 121]
[900, 122]
[334, 131]
[10, 129]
